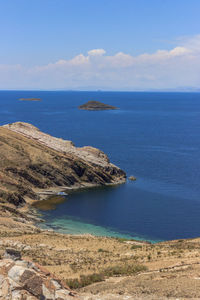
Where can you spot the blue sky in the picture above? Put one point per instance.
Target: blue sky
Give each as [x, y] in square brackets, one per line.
[41, 38]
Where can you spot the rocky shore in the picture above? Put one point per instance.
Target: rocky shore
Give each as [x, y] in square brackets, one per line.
[33, 161]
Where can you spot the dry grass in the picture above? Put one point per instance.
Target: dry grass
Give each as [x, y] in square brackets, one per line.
[117, 270]
[86, 260]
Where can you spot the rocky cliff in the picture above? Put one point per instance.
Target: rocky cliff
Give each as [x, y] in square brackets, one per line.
[31, 159]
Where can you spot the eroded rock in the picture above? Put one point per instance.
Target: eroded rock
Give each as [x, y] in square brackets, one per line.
[12, 254]
[20, 279]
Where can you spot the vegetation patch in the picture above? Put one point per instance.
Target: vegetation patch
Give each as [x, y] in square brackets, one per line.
[117, 270]
[124, 270]
[84, 280]
[102, 250]
[136, 247]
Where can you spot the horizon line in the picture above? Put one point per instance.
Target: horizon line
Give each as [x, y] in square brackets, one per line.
[189, 90]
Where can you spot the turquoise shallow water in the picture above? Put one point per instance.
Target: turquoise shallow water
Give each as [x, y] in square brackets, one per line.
[153, 136]
[68, 226]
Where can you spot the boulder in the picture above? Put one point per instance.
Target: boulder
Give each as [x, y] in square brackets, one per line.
[12, 254]
[21, 279]
[132, 178]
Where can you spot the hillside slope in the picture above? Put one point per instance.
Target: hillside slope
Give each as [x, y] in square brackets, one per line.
[31, 159]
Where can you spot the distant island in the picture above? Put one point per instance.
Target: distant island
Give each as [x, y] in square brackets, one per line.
[30, 99]
[96, 105]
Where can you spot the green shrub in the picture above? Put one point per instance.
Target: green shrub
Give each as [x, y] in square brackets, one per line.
[84, 280]
[124, 270]
[102, 250]
[121, 240]
[136, 247]
[108, 272]
[73, 283]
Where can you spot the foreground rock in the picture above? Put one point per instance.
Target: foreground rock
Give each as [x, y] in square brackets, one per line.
[173, 266]
[21, 279]
[31, 160]
[96, 105]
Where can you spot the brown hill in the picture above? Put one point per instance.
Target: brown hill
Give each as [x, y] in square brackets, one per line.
[31, 159]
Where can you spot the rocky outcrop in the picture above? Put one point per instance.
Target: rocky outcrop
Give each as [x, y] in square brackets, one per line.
[31, 159]
[90, 154]
[132, 178]
[21, 279]
[96, 105]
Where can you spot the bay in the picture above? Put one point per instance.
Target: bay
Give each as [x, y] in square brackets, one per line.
[153, 136]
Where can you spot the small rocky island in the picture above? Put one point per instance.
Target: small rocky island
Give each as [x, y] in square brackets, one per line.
[96, 105]
[30, 99]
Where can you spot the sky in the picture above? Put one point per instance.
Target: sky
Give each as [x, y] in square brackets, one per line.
[100, 44]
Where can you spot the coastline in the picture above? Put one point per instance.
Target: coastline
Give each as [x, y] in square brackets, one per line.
[48, 202]
[53, 191]
[51, 197]
[43, 194]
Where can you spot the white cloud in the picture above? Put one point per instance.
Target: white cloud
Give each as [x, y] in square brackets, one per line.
[192, 43]
[178, 67]
[179, 51]
[95, 52]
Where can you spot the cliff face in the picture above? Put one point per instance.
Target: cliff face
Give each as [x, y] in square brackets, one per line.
[32, 159]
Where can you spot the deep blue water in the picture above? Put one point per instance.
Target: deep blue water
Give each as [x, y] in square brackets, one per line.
[153, 136]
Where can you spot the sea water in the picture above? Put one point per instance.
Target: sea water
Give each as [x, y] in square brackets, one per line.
[153, 136]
